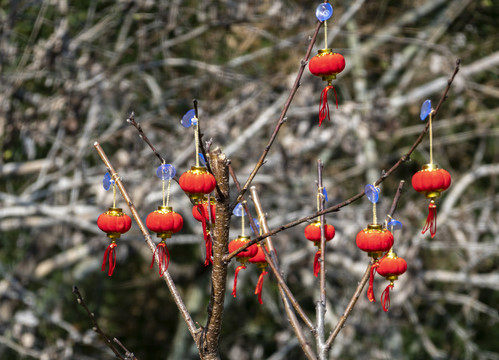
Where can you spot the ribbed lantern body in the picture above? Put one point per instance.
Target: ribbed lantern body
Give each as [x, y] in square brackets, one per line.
[391, 267]
[164, 221]
[197, 182]
[114, 222]
[431, 181]
[327, 64]
[245, 254]
[374, 240]
[313, 232]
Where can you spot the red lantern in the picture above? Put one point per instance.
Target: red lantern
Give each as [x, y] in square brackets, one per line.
[391, 267]
[205, 213]
[327, 65]
[375, 240]
[259, 260]
[243, 256]
[313, 233]
[164, 222]
[197, 182]
[114, 222]
[431, 181]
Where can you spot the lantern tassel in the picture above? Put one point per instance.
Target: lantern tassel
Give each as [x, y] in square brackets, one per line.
[259, 286]
[317, 266]
[164, 257]
[109, 255]
[370, 289]
[239, 268]
[324, 105]
[385, 297]
[206, 234]
[431, 220]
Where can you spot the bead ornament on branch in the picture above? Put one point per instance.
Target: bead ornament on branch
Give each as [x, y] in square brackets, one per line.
[326, 64]
[430, 180]
[313, 231]
[374, 239]
[164, 221]
[391, 267]
[113, 222]
[241, 240]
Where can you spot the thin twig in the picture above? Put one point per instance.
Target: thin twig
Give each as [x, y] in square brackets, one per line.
[321, 304]
[349, 307]
[396, 200]
[96, 327]
[347, 202]
[282, 117]
[131, 120]
[128, 355]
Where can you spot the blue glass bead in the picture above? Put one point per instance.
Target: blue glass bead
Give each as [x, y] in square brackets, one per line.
[425, 110]
[188, 119]
[257, 223]
[202, 161]
[238, 210]
[166, 172]
[324, 192]
[395, 225]
[107, 181]
[372, 193]
[324, 11]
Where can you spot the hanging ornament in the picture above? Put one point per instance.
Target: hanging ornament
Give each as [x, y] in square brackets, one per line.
[326, 63]
[374, 239]
[313, 233]
[164, 221]
[260, 262]
[243, 256]
[391, 267]
[205, 213]
[113, 222]
[431, 180]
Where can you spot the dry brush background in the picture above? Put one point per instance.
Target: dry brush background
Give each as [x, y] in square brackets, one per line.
[70, 74]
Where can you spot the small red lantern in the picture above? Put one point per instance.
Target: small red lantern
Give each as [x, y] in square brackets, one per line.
[164, 222]
[391, 267]
[375, 241]
[313, 233]
[205, 213]
[259, 260]
[431, 181]
[114, 222]
[327, 65]
[243, 256]
[197, 182]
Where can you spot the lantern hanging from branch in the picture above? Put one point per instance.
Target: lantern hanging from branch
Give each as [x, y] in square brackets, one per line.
[326, 64]
[242, 256]
[374, 239]
[113, 222]
[205, 212]
[431, 180]
[164, 221]
[261, 263]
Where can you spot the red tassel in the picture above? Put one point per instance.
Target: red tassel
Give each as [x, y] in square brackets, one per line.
[239, 268]
[324, 105]
[109, 254]
[431, 220]
[164, 257]
[385, 297]
[259, 285]
[370, 289]
[206, 234]
[317, 265]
